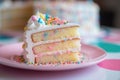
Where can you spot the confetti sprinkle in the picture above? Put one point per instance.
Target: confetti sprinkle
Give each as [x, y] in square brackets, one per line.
[19, 58]
[34, 18]
[45, 34]
[42, 16]
[41, 21]
[50, 47]
[46, 19]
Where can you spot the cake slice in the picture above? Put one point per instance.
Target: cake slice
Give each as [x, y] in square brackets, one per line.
[51, 40]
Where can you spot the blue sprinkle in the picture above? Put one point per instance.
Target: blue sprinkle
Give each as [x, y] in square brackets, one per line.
[78, 62]
[45, 34]
[41, 21]
[65, 39]
[46, 17]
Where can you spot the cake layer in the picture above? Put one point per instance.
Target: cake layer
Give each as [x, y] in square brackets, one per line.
[61, 33]
[61, 58]
[51, 47]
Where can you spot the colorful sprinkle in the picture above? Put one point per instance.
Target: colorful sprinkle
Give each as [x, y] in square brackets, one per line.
[19, 58]
[68, 51]
[45, 19]
[78, 62]
[34, 18]
[50, 47]
[45, 34]
[57, 53]
[42, 16]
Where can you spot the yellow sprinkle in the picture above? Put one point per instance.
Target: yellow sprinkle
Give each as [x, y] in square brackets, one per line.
[42, 16]
[25, 28]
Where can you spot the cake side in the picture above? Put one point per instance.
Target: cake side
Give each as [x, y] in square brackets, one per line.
[30, 45]
[42, 42]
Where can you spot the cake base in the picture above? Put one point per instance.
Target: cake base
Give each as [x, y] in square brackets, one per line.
[58, 58]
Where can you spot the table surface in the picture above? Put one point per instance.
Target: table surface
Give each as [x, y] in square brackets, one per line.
[109, 69]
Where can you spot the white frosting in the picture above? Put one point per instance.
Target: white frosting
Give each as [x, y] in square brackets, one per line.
[42, 27]
[61, 51]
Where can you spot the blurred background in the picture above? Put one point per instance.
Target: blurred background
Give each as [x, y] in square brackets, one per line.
[92, 15]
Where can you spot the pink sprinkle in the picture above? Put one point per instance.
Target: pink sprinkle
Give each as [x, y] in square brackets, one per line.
[50, 47]
[57, 53]
[34, 18]
[68, 51]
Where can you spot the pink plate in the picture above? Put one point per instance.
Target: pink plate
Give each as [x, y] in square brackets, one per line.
[93, 56]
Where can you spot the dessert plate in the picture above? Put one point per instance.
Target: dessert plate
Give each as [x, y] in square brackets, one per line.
[93, 55]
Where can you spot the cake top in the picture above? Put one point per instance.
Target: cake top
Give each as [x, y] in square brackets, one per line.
[44, 19]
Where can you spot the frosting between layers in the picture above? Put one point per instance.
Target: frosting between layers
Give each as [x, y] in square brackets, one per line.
[42, 27]
[58, 52]
[52, 41]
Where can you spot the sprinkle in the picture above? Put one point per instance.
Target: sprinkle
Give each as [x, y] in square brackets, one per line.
[42, 16]
[19, 58]
[78, 62]
[41, 21]
[25, 28]
[50, 21]
[57, 53]
[47, 17]
[50, 47]
[34, 18]
[45, 34]
[68, 51]
[65, 39]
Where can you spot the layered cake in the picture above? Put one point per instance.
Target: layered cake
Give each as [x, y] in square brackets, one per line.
[50, 40]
